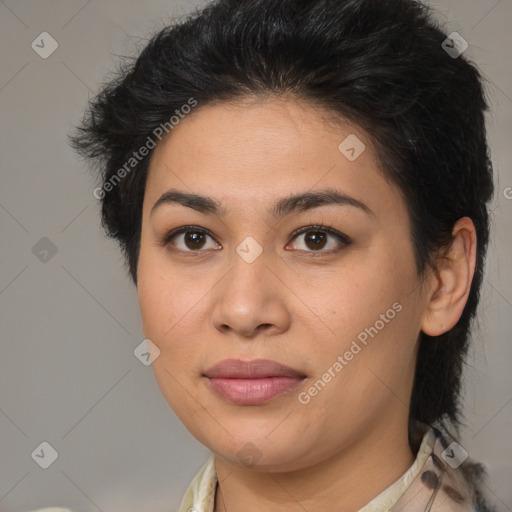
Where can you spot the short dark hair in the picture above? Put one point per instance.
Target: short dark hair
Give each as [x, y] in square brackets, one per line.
[380, 65]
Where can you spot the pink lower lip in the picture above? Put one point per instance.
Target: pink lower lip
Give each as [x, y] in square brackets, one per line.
[253, 391]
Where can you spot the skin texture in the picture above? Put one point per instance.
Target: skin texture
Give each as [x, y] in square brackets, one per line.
[297, 305]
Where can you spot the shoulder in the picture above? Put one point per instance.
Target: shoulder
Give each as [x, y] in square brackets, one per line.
[462, 482]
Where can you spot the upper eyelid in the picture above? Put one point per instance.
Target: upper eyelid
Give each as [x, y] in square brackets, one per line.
[320, 227]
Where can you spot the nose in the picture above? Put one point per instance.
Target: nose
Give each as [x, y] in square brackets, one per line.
[252, 299]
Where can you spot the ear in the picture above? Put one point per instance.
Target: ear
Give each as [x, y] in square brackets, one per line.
[451, 280]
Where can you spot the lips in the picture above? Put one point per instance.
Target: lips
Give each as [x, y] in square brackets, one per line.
[251, 382]
[257, 368]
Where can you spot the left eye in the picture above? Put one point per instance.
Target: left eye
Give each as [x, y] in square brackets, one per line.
[316, 239]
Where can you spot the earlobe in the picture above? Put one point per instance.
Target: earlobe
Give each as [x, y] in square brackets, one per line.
[451, 280]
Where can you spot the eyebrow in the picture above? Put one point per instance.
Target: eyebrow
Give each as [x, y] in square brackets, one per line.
[282, 207]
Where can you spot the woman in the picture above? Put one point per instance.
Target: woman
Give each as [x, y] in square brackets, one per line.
[300, 190]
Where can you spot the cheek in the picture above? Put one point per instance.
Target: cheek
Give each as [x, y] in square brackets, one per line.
[158, 292]
[158, 297]
[372, 309]
[171, 311]
[164, 313]
[164, 320]
[356, 295]
[149, 292]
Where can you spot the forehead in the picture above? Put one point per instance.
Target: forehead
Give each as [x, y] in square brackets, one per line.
[283, 126]
[255, 150]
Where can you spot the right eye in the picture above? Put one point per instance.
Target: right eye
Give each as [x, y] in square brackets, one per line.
[187, 239]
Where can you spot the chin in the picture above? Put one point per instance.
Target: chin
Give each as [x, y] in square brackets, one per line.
[257, 451]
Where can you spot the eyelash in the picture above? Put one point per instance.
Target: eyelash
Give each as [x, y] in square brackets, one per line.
[342, 238]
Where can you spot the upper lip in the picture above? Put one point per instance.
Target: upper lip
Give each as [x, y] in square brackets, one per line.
[254, 369]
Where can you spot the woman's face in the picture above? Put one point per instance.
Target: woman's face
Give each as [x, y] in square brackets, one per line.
[343, 309]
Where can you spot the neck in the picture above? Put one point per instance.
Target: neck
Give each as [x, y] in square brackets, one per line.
[345, 482]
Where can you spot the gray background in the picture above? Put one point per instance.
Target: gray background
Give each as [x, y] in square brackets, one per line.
[69, 325]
